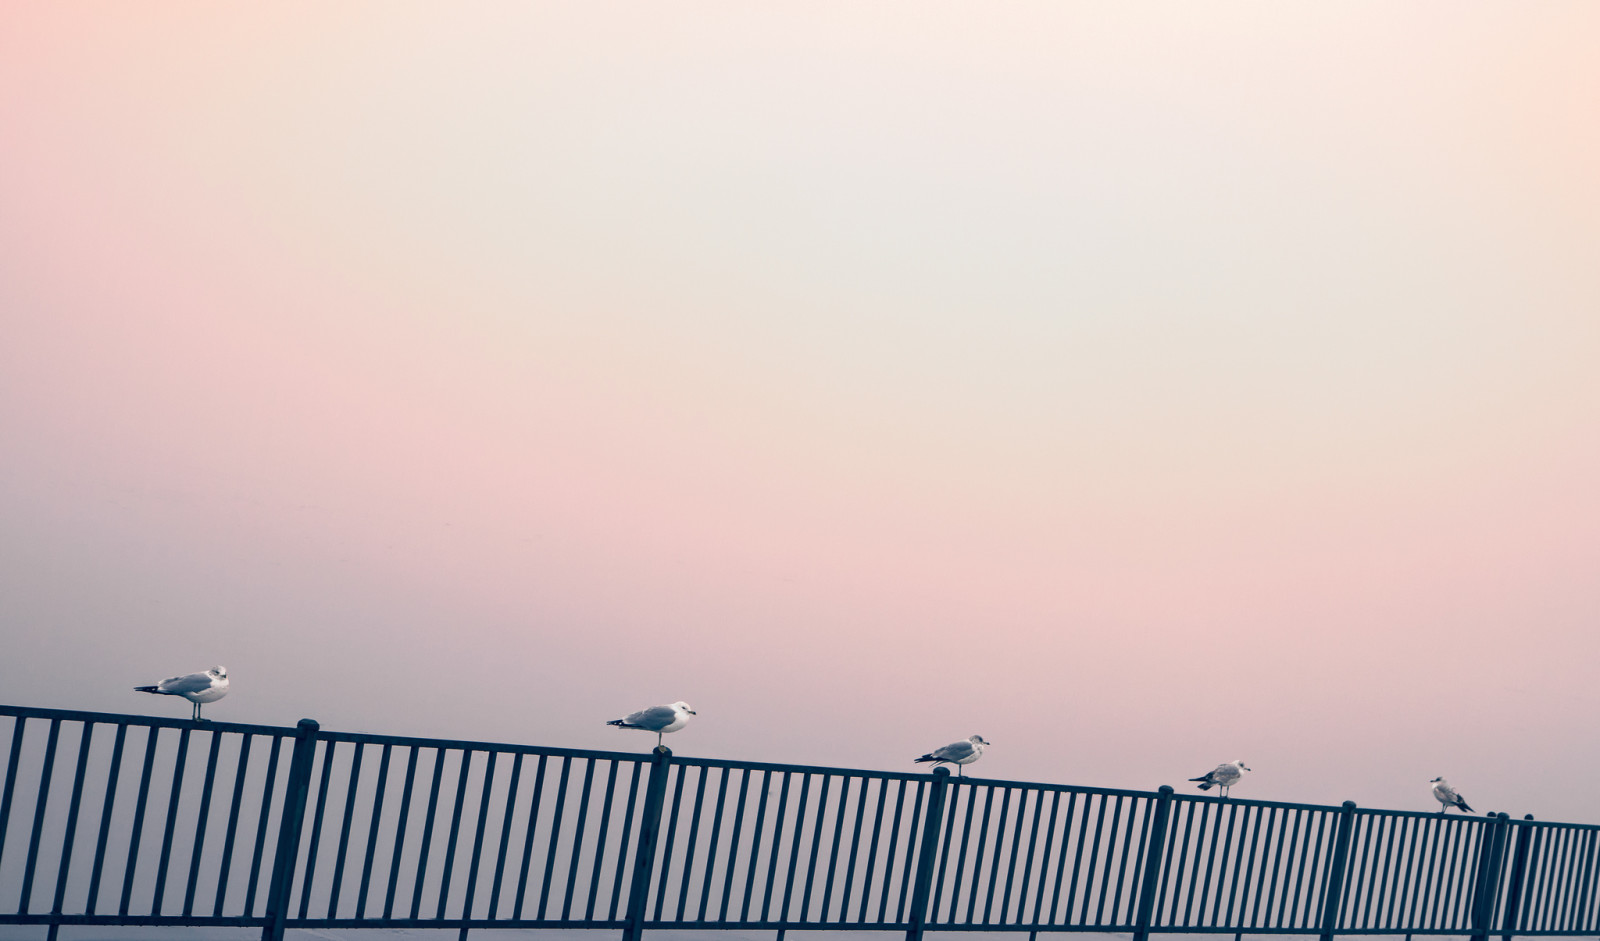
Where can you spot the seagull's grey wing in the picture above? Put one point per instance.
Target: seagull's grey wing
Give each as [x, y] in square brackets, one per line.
[955, 751]
[192, 683]
[654, 719]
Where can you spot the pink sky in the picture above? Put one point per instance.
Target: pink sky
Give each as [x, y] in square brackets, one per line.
[1139, 386]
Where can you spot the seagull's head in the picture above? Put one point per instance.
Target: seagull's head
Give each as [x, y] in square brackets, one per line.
[1437, 781]
[220, 672]
[977, 740]
[683, 706]
[1240, 763]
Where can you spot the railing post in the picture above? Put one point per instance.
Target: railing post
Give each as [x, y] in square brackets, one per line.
[289, 825]
[1519, 872]
[1341, 852]
[933, 815]
[1152, 863]
[1488, 877]
[644, 859]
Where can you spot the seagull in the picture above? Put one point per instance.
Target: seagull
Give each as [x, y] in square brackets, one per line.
[1448, 797]
[1224, 776]
[957, 753]
[657, 719]
[198, 688]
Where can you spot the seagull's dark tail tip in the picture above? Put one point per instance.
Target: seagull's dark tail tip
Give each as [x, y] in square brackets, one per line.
[147, 689]
[619, 723]
[1204, 785]
[924, 758]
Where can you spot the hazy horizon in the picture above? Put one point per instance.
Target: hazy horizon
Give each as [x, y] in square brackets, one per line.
[1138, 386]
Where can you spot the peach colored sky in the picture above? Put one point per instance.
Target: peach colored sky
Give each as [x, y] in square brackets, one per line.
[1138, 385]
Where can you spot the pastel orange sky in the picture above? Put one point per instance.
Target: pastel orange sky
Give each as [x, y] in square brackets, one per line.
[1140, 386]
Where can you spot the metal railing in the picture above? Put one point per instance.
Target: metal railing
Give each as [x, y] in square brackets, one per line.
[128, 820]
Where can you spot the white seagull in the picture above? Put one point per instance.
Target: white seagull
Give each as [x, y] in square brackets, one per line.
[1447, 796]
[657, 719]
[1224, 776]
[957, 753]
[198, 688]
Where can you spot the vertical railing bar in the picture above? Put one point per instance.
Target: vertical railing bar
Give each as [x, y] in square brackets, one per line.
[1549, 875]
[888, 855]
[1557, 904]
[505, 834]
[1480, 850]
[1383, 845]
[977, 861]
[1469, 861]
[201, 818]
[1524, 892]
[599, 845]
[555, 835]
[269, 784]
[1569, 865]
[961, 855]
[113, 772]
[1487, 903]
[1105, 877]
[363, 892]
[400, 828]
[1397, 846]
[672, 838]
[777, 843]
[1284, 833]
[1011, 862]
[171, 823]
[1407, 888]
[1351, 909]
[1315, 895]
[1077, 861]
[1580, 914]
[855, 845]
[1294, 843]
[314, 849]
[1238, 864]
[1261, 877]
[344, 829]
[733, 844]
[1044, 859]
[578, 829]
[533, 826]
[427, 832]
[816, 845]
[70, 836]
[487, 795]
[627, 834]
[229, 837]
[994, 862]
[1419, 905]
[1211, 857]
[1178, 850]
[1194, 878]
[838, 832]
[19, 728]
[918, 916]
[1027, 863]
[949, 828]
[1254, 818]
[999, 850]
[455, 834]
[711, 849]
[755, 847]
[1387, 888]
[1548, 845]
[1447, 877]
[907, 874]
[1122, 864]
[685, 880]
[47, 770]
[794, 845]
[1061, 858]
[291, 824]
[372, 829]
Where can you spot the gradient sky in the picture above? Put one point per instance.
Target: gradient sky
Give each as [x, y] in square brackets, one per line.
[1138, 385]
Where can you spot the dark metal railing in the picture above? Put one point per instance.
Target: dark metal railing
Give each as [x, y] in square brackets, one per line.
[125, 820]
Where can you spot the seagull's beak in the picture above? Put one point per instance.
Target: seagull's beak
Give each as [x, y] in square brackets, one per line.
[691, 712]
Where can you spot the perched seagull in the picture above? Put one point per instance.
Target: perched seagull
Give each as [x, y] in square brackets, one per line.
[957, 753]
[1448, 797]
[198, 688]
[657, 719]
[1224, 776]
